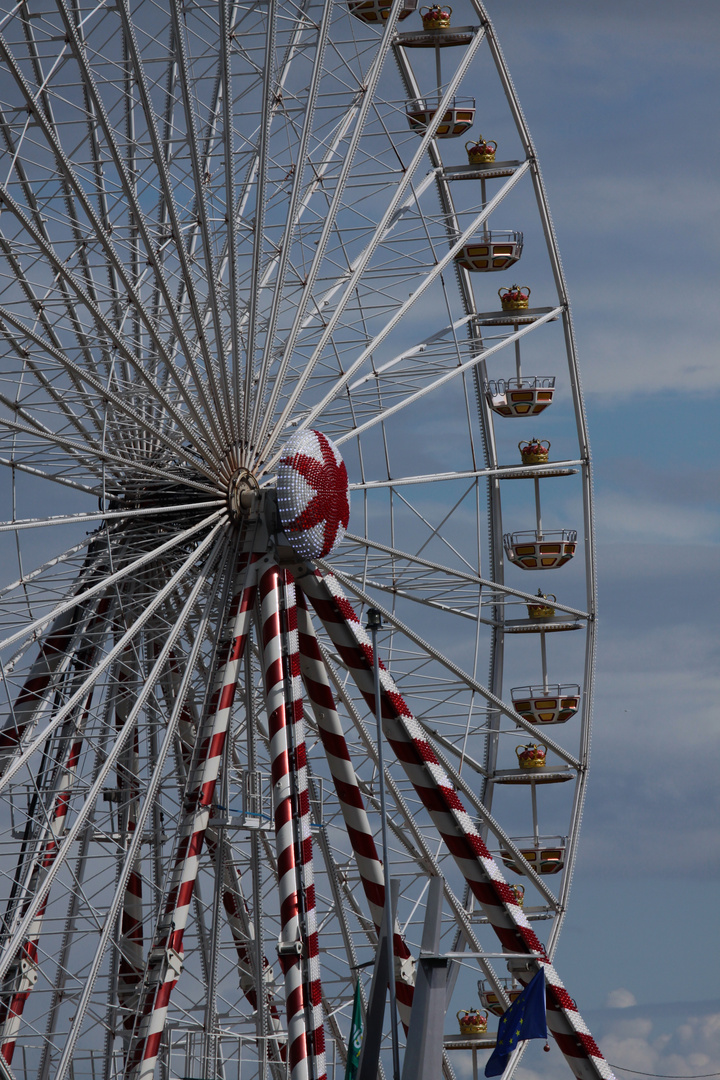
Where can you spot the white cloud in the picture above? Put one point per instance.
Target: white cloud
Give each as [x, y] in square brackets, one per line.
[648, 1043]
[621, 999]
[629, 516]
[655, 743]
[627, 203]
[645, 356]
[639, 256]
[651, 565]
[645, 325]
[683, 1050]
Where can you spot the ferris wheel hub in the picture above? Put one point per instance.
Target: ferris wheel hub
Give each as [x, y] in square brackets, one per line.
[242, 494]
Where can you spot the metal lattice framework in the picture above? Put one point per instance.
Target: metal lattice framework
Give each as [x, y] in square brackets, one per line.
[223, 224]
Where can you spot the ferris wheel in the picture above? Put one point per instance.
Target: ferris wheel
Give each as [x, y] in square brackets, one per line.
[270, 360]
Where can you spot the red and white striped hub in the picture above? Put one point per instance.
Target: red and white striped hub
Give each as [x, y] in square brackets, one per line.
[313, 494]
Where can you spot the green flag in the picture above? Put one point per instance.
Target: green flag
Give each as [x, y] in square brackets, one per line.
[356, 1035]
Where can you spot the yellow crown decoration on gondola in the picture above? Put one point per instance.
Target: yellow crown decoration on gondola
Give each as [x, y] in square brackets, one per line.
[534, 451]
[472, 1022]
[480, 152]
[518, 892]
[515, 298]
[531, 756]
[436, 17]
[542, 610]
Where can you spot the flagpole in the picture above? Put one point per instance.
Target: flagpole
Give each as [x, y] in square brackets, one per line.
[374, 624]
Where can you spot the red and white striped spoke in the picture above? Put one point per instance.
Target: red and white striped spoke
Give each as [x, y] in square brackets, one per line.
[232, 896]
[438, 795]
[23, 974]
[271, 582]
[351, 801]
[54, 648]
[284, 706]
[165, 960]
[305, 847]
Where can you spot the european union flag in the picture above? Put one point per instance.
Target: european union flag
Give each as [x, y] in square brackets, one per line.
[356, 1036]
[525, 1019]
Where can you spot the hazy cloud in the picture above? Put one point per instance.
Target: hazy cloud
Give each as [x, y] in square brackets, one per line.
[630, 516]
[645, 1042]
[621, 999]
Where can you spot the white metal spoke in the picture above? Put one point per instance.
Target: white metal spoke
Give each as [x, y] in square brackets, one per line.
[473, 474]
[32, 746]
[405, 556]
[55, 561]
[266, 117]
[26, 285]
[223, 391]
[472, 683]
[60, 268]
[11, 946]
[293, 207]
[210, 415]
[94, 452]
[102, 392]
[56, 478]
[150, 793]
[126, 571]
[462, 369]
[110, 515]
[379, 233]
[41, 430]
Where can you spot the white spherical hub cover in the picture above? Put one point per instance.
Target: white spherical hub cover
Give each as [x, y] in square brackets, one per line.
[313, 495]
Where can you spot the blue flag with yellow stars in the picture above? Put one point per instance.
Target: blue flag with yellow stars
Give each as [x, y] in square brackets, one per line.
[525, 1019]
[356, 1037]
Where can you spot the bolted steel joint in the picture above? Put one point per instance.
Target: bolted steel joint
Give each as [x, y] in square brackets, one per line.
[243, 494]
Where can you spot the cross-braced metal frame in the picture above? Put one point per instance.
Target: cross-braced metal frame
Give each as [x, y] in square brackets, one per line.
[218, 227]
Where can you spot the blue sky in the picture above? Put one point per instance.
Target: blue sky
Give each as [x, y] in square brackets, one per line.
[623, 101]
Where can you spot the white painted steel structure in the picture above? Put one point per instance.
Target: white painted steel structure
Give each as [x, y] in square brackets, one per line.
[218, 228]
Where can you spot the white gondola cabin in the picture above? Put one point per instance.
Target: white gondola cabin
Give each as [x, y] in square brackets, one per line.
[551, 704]
[526, 396]
[455, 121]
[496, 250]
[546, 855]
[489, 999]
[532, 550]
[374, 11]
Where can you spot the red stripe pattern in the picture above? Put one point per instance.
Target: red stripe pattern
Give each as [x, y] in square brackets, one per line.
[291, 812]
[53, 650]
[351, 801]
[23, 973]
[439, 797]
[232, 896]
[314, 1008]
[164, 964]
